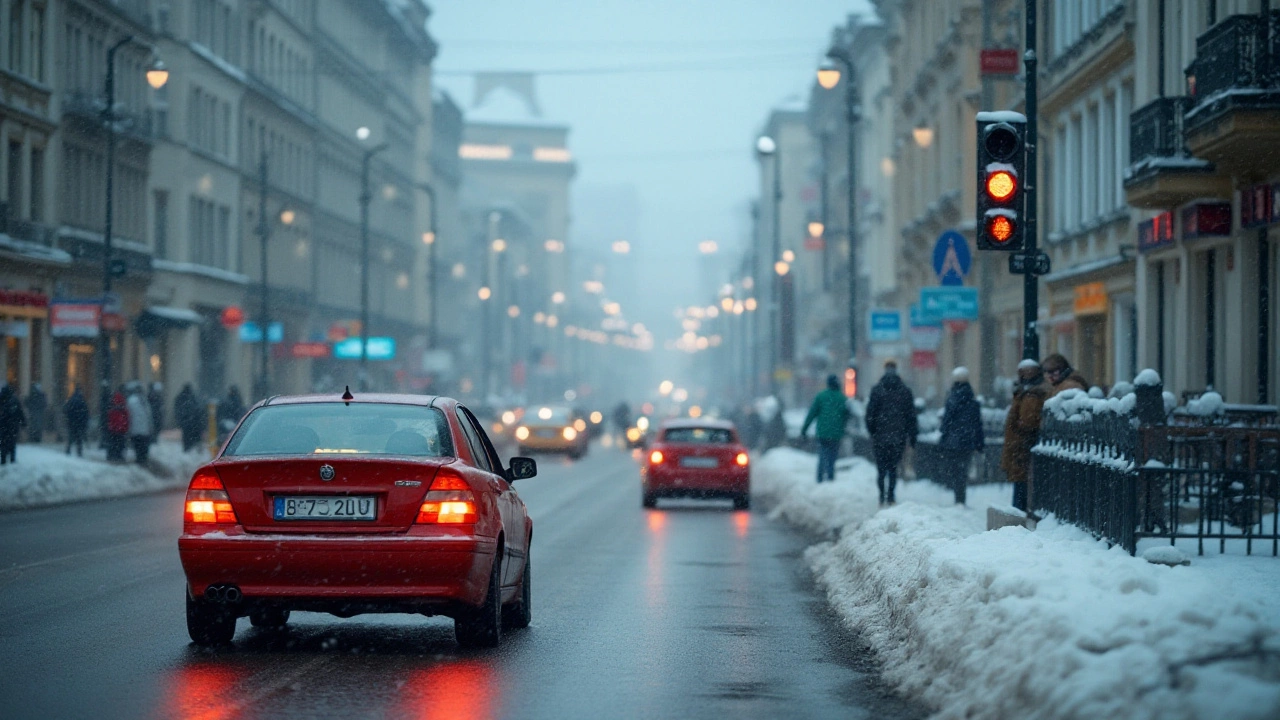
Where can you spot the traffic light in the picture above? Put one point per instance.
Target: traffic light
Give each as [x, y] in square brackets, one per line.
[1001, 163]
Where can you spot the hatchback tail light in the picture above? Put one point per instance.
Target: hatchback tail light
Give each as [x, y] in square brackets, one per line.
[742, 459]
[207, 500]
[655, 457]
[448, 502]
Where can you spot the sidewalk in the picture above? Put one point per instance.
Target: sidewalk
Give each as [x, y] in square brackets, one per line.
[45, 475]
[1017, 624]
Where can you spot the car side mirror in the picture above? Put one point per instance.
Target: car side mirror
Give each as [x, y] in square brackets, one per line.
[522, 468]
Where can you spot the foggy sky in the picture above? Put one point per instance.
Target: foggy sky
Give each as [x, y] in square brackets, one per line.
[664, 95]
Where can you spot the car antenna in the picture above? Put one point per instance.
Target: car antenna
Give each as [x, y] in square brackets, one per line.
[347, 397]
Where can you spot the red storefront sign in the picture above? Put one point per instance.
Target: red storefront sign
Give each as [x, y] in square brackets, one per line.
[814, 243]
[74, 319]
[21, 298]
[1206, 220]
[310, 350]
[1255, 206]
[1004, 61]
[1156, 232]
[924, 360]
[232, 317]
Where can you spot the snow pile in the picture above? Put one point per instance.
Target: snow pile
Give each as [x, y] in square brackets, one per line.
[46, 476]
[1148, 377]
[1207, 405]
[1078, 406]
[1046, 624]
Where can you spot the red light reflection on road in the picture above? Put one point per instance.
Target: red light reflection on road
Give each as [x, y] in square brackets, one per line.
[203, 691]
[657, 520]
[462, 690]
[741, 523]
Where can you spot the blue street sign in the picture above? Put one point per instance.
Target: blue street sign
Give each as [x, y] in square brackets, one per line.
[885, 326]
[918, 318]
[251, 333]
[949, 303]
[380, 348]
[951, 258]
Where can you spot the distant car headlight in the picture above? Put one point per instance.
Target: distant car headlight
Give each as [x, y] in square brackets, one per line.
[597, 418]
[569, 433]
[498, 428]
[522, 433]
[509, 418]
[643, 424]
[580, 425]
[633, 434]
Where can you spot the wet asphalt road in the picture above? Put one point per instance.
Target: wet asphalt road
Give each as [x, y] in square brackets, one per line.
[689, 611]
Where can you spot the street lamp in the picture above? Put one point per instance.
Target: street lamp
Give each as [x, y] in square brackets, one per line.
[157, 76]
[433, 295]
[766, 147]
[923, 135]
[840, 56]
[365, 197]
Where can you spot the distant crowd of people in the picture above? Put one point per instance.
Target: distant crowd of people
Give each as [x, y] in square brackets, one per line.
[133, 419]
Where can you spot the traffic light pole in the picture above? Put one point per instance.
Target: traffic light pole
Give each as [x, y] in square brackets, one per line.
[1030, 280]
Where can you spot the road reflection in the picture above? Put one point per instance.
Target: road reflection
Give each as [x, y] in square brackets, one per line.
[204, 691]
[457, 690]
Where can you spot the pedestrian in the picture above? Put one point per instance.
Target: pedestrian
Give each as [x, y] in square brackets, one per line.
[830, 412]
[891, 422]
[752, 427]
[37, 404]
[76, 411]
[190, 417]
[622, 422]
[230, 410]
[775, 430]
[1022, 429]
[961, 433]
[11, 421]
[1062, 376]
[155, 400]
[117, 427]
[140, 424]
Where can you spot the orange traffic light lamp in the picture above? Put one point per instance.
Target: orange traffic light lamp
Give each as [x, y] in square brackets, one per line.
[1001, 185]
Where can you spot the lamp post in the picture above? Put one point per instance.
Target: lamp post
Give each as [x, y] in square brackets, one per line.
[430, 238]
[766, 147]
[157, 76]
[365, 197]
[828, 78]
[264, 316]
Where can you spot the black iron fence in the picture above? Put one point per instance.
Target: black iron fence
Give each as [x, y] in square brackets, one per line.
[1205, 476]
[1155, 130]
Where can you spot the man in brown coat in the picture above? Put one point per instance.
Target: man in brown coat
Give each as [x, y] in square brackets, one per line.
[1022, 428]
[1063, 377]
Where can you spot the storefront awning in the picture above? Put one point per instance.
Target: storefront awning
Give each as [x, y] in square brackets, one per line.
[157, 319]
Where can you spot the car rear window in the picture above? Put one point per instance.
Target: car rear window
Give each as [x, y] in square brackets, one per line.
[341, 429]
[698, 435]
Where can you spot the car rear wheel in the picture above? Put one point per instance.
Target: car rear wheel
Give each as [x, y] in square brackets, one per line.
[269, 619]
[742, 502]
[519, 613]
[650, 500]
[482, 627]
[209, 623]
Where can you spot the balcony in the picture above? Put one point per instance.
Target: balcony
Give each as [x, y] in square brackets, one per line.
[1162, 174]
[1235, 97]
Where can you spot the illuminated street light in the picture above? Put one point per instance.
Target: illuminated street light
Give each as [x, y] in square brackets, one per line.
[622, 247]
[665, 387]
[157, 74]
[782, 267]
[513, 311]
[552, 321]
[708, 247]
[428, 238]
[788, 256]
[459, 271]
[287, 217]
[553, 246]
[680, 395]
[540, 317]
[923, 136]
[595, 287]
[485, 293]
[727, 304]
[750, 304]
[738, 308]
[557, 297]
[828, 76]
[362, 133]
[816, 229]
[499, 245]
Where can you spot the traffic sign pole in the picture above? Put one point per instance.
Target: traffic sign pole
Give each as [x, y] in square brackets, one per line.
[1031, 281]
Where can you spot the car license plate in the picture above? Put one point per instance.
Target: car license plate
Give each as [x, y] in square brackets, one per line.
[699, 462]
[326, 507]
[546, 433]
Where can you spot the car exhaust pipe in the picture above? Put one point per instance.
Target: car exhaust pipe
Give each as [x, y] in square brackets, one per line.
[231, 594]
[214, 593]
[223, 594]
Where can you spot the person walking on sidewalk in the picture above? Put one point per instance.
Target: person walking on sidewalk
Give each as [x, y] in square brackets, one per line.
[831, 413]
[190, 417]
[891, 422]
[37, 404]
[117, 427]
[11, 421]
[961, 433]
[76, 411]
[1022, 429]
[155, 401]
[1062, 376]
[140, 425]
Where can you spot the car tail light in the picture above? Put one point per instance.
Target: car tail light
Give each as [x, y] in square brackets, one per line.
[207, 500]
[742, 459]
[448, 502]
[569, 433]
[655, 457]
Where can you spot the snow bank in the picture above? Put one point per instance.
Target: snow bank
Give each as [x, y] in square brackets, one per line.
[46, 476]
[1046, 624]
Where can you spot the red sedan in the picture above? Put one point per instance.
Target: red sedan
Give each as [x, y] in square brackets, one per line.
[697, 458]
[350, 505]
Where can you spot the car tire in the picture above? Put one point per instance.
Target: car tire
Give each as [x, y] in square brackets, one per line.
[208, 623]
[742, 502]
[269, 619]
[482, 627]
[519, 613]
[649, 501]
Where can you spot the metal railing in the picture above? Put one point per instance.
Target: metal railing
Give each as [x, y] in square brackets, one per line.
[1197, 478]
[1155, 130]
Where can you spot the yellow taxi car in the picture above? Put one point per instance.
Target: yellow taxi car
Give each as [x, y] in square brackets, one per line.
[551, 428]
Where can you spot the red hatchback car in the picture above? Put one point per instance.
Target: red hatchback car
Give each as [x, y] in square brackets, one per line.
[350, 505]
[697, 458]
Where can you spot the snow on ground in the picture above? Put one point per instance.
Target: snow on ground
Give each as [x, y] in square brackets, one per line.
[46, 475]
[1019, 624]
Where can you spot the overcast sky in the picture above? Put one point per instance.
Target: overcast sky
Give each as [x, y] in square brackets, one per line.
[665, 95]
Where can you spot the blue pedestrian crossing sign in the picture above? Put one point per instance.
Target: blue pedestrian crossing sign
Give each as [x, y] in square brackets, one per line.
[951, 258]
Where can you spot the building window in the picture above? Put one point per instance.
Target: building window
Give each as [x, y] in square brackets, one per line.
[15, 37]
[37, 184]
[161, 230]
[14, 179]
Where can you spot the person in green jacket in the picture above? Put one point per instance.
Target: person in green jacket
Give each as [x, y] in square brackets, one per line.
[831, 413]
